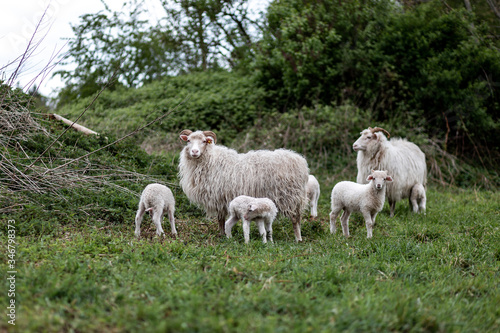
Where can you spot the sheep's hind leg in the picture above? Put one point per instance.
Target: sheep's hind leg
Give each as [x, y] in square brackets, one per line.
[344, 220]
[138, 220]
[296, 227]
[392, 205]
[269, 227]
[172, 221]
[333, 220]
[230, 224]
[157, 219]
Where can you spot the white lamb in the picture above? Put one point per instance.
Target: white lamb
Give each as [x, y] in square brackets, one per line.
[313, 192]
[402, 159]
[262, 210]
[418, 198]
[212, 175]
[157, 199]
[365, 198]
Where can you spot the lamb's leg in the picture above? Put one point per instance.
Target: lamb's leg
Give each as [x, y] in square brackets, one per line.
[314, 206]
[369, 222]
[157, 219]
[344, 220]
[333, 220]
[422, 204]
[172, 220]
[246, 230]
[229, 225]
[262, 229]
[138, 219]
[392, 205]
[296, 227]
[269, 227]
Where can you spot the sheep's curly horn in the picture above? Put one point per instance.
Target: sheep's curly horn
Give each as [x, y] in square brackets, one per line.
[379, 129]
[186, 132]
[212, 134]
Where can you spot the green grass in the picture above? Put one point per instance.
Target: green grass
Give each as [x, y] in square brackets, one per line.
[433, 273]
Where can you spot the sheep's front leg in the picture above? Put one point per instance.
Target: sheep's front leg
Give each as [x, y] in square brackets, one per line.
[221, 220]
[370, 222]
[344, 220]
[229, 225]
[138, 220]
[262, 230]
[246, 230]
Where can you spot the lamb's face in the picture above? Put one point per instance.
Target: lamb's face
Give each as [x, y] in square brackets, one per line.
[252, 212]
[379, 179]
[364, 140]
[197, 142]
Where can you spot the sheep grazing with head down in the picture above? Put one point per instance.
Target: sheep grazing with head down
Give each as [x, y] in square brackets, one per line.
[158, 200]
[212, 175]
[418, 198]
[261, 210]
[402, 159]
[313, 192]
[365, 198]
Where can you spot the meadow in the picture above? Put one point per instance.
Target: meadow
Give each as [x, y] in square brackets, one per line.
[438, 272]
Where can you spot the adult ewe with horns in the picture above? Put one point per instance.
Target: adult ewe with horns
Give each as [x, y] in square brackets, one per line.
[212, 175]
[402, 159]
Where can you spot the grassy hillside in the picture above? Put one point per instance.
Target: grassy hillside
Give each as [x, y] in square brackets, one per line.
[433, 273]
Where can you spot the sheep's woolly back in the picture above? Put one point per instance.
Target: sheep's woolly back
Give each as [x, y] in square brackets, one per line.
[264, 207]
[221, 174]
[157, 195]
[402, 159]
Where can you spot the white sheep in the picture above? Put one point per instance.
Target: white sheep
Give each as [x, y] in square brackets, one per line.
[157, 199]
[313, 191]
[261, 210]
[418, 198]
[212, 175]
[365, 198]
[402, 159]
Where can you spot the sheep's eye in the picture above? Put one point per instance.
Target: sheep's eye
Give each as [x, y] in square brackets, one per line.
[369, 137]
[204, 141]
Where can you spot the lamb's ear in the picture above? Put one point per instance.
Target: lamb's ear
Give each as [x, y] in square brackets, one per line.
[388, 178]
[370, 177]
[251, 208]
[184, 134]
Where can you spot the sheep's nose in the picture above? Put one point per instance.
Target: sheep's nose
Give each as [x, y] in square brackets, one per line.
[195, 152]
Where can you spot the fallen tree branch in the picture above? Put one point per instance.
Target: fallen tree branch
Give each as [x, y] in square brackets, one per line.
[72, 124]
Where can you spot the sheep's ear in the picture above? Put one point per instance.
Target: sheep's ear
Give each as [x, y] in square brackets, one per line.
[210, 134]
[388, 178]
[370, 177]
[251, 208]
[184, 134]
[210, 140]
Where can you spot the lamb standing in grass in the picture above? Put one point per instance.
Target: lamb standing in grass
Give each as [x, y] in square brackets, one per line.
[212, 175]
[313, 192]
[158, 199]
[365, 198]
[262, 210]
[418, 198]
